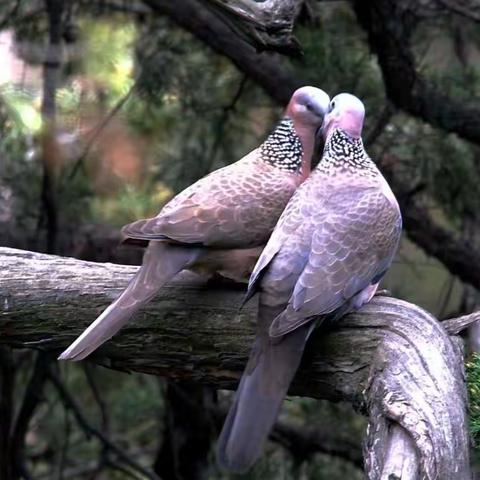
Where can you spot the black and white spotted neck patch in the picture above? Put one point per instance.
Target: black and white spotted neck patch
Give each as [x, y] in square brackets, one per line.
[283, 148]
[343, 151]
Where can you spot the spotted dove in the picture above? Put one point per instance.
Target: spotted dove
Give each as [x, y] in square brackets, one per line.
[330, 248]
[220, 223]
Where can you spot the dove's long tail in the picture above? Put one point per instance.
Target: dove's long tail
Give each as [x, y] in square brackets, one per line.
[262, 389]
[160, 263]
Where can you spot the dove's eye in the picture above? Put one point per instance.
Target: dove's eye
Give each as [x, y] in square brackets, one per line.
[332, 105]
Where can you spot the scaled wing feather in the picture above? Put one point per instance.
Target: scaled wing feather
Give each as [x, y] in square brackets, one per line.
[232, 207]
[352, 246]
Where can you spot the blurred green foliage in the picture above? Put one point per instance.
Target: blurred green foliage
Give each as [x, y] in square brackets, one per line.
[107, 47]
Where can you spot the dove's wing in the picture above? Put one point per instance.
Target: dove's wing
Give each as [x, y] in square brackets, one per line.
[234, 207]
[353, 242]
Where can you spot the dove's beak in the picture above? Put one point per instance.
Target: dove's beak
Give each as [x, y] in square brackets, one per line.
[319, 138]
[325, 128]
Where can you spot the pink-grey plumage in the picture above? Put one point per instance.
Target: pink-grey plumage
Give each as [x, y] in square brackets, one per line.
[330, 248]
[220, 223]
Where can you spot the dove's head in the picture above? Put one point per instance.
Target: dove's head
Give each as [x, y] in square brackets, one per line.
[307, 108]
[347, 113]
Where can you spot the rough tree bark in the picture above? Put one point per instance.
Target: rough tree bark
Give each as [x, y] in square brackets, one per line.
[393, 361]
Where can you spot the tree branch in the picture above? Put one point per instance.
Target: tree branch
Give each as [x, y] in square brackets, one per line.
[90, 430]
[456, 325]
[303, 442]
[32, 397]
[460, 256]
[96, 132]
[392, 360]
[7, 384]
[389, 25]
[264, 69]
[463, 10]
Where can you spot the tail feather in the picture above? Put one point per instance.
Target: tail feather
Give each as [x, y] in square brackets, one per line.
[160, 263]
[262, 389]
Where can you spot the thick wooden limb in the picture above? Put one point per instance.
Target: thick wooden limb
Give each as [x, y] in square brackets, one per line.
[392, 360]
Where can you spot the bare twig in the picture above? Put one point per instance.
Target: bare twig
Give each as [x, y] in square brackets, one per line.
[90, 430]
[12, 13]
[226, 111]
[90, 376]
[7, 383]
[456, 325]
[380, 124]
[116, 466]
[97, 131]
[457, 7]
[65, 445]
[32, 397]
[303, 442]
